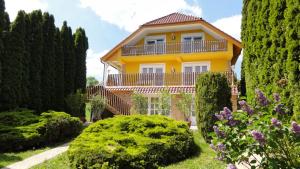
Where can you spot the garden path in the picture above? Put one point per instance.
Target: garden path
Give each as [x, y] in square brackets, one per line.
[39, 158]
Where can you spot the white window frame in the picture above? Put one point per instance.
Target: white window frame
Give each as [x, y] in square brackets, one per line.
[187, 48]
[194, 64]
[155, 37]
[153, 65]
[156, 49]
[192, 35]
[149, 104]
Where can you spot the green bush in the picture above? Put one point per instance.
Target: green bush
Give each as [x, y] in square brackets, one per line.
[212, 94]
[98, 104]
[139, 104]
[136, 141]
[24, 129]
[75, 103]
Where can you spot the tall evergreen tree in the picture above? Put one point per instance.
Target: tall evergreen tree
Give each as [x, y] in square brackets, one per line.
[48, 60]
[270, 34]
[36, 51]
[69, 59]
[59, 73]
[81, 47]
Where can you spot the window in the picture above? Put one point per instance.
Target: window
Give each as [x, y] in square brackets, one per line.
[192, 42]
[154, 107]
[152, 74]
[191, 70]
[155, 44]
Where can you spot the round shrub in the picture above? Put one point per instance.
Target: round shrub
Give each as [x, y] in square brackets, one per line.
[212, 94]
[136, 141]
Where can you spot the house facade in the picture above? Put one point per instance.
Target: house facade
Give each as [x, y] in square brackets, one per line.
[166, 54]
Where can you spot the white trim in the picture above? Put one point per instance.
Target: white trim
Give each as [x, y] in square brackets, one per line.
[153, 65]
[149, 96]
[155, 37]
[192, 35]
[203, 63]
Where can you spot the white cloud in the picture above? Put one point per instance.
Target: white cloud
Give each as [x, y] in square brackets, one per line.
[13, 6]
[230, 25]
[129, 14]
[94, 65]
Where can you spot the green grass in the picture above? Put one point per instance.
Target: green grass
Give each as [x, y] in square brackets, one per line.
[205, 160]
[9, 158]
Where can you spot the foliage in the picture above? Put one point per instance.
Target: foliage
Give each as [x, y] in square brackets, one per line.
[22, 130]
[38, 61]
[165, 102]
[91, 81]
[75, 103]
[139, 104]
[98, 104]
[184, 104]
[136, 141]
[212, 94]
[270, 35]
[263, 130]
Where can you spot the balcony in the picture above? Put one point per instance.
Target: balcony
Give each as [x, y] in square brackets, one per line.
[176, 47]
[157, 79]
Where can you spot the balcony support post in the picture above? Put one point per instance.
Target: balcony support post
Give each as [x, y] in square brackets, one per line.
[105, 73]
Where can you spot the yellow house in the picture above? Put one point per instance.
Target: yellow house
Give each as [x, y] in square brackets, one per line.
[166, 54]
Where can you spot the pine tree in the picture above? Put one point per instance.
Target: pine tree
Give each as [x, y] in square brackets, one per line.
[48, 60]
[59, 73]
[69, 59]
[36, 51]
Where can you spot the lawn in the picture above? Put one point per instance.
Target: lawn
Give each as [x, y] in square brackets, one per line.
[9, 158]
[205, 160]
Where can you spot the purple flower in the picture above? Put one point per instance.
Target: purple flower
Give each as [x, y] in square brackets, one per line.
[275, 122]
[219, 116]
[212, 146]
[279, 109]
[261, 98]
[231, 166]
[276, 97]
[295, 128]
[245, 107]
[259, 137]
[221, 147]
[233, 123]
[218, 132]
[226, 114]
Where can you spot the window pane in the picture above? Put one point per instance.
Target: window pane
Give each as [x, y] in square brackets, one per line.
[151, 42]
[204, 68]
[144, 70]
[187, 38]
[197, 68]
[197, 38]
[150, 70]
[188, 69]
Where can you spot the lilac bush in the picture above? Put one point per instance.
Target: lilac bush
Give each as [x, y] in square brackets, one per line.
[263, 130]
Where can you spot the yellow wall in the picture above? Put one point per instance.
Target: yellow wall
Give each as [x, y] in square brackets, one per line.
[219, 61]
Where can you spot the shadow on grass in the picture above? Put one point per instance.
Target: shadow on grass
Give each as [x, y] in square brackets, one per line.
[8, 159]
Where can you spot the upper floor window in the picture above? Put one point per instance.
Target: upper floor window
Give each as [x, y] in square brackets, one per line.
[155, 44]
[192, 42]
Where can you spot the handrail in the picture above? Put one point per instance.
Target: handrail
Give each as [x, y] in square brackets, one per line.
[157, 79]
[112, 101]
[175, 47]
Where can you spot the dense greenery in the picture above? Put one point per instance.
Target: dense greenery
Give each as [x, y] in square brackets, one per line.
[97, 107]
[39, 64]
[91, 81]
[212, 94]
[139, 104]
[270, 35]
[184, 104]
[24, 130]
[136, 141]
[258, 132]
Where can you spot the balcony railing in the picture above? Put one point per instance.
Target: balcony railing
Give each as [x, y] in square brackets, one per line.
[157, 79]
[176, 47]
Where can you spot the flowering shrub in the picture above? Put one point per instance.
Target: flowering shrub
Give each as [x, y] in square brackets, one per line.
[261, 136]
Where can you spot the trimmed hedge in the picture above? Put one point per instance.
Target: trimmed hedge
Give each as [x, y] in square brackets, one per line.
[213, 93]
[129, 142]
[24, 130]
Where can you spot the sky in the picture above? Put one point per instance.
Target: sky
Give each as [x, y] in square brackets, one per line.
[107, 22]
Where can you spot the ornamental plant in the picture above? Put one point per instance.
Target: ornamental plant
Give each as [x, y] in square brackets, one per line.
[259, 136]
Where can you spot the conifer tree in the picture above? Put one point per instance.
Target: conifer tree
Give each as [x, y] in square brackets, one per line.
[69, 59]
[59, 73]
[36, 51]
[48, 61]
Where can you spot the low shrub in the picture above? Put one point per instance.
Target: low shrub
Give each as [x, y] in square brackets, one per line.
[24, 129]
[136, 141]
[212, 94]
[264, 131]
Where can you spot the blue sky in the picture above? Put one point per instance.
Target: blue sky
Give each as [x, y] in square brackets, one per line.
[107, 22]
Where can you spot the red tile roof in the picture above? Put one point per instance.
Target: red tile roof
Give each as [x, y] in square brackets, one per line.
[155, 89]
[173, 18]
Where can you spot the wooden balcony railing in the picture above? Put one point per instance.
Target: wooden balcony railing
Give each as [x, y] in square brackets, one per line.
[113, 102]
[176, 47]
[157, 79]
